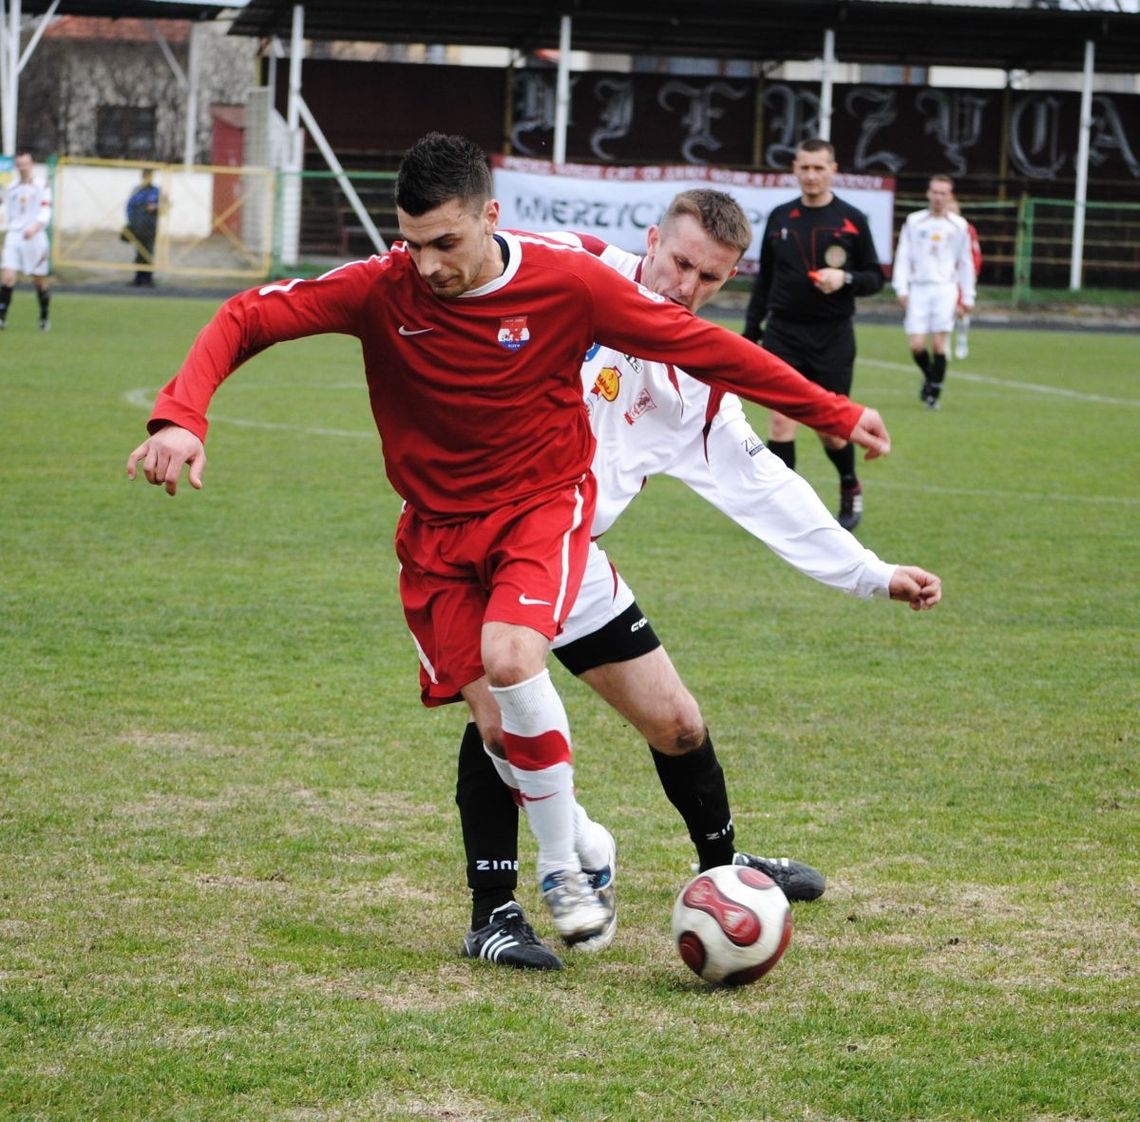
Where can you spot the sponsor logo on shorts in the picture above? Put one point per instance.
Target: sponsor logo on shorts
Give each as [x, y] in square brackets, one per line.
[753, 444]
[643, 622]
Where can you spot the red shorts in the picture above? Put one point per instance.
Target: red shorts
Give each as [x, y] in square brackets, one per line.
[521, 564]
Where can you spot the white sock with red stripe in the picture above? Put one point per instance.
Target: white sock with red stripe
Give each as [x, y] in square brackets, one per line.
[536, 735]
[590, 838]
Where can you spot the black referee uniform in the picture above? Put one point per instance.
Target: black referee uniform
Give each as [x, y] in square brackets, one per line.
[811, 330]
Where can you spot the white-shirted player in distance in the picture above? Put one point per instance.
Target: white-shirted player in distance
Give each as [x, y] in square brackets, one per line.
[933, 276]
[649, 419]
[27, 203]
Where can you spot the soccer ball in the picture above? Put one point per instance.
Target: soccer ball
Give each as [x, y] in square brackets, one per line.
[732, 924]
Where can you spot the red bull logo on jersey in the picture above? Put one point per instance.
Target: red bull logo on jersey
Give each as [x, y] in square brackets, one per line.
[607, 384]
[513, 333]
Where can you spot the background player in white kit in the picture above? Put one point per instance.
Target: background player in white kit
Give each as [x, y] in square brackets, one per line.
[27, 203]
[933, 272]
[650, 418]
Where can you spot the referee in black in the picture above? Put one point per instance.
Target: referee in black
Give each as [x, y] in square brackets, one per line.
[816, 257]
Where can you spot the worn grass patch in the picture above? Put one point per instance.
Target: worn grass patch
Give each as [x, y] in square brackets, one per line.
[231, 878]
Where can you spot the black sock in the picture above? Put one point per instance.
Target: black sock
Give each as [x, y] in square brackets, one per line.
[785, 449]
[5, 299]
[922, 359]
[44, 297]
[694, 784]
[844, 461]
[490, 822]
[938, 370]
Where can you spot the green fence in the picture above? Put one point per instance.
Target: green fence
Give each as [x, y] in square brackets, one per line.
[1043, 254]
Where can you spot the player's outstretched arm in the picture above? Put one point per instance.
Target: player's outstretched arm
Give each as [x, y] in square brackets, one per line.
[920, 589]
[163, 456]
[871, 433]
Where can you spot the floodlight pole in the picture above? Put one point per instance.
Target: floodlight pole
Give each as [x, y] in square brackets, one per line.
[294, 159]
[11, 70]
[562, 92]
[1076, 266]
[825, 90]
[190, 145]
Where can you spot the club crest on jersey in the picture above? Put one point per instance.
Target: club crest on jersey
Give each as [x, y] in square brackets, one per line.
[607, 384]
[642, 405]
[513, 333]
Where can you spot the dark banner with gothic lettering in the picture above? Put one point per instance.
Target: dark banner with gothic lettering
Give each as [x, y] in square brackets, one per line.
[894, 130]
[907, 132]
[639, 118]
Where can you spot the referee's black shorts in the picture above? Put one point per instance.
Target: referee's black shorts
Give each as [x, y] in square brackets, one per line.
[822, 350]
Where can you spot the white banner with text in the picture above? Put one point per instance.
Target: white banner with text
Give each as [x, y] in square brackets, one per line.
[619, 204]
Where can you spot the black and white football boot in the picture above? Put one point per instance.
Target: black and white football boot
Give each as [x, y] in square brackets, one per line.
[508, 940]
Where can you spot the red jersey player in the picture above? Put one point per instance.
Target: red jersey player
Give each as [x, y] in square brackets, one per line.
[472, 342]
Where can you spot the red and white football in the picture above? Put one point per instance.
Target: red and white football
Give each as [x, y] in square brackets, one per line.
[731, 924]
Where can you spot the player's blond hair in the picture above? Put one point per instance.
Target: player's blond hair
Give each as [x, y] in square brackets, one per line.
[720, 216]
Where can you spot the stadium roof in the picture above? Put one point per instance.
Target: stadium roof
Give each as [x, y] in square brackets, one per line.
[134, 9]
[867, 31]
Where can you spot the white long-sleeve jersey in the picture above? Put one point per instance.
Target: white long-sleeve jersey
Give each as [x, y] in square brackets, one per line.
[650, 418]
[935, 249]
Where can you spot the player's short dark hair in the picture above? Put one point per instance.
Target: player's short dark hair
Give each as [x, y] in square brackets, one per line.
[719, 214]
[439, 168]
[817, 144]
[941, 178]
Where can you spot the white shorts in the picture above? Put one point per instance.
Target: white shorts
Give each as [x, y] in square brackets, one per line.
[602, 598]
[26, 255]
[930, 309]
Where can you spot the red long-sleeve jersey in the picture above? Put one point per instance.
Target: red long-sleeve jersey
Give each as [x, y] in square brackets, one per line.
[478, 399]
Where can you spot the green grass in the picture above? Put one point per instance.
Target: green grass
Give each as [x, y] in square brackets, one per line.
[231, 880]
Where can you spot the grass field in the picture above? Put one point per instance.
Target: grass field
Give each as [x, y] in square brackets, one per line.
[231, 879]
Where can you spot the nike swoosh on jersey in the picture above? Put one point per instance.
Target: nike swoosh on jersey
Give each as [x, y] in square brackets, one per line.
[536, 798]
[526, 600]
[421, 331]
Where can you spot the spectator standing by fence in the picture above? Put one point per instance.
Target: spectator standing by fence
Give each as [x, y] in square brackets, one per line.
[142, 227]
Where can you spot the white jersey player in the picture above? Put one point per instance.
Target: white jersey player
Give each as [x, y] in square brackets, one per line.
[651, 419]
[27, 203]
[933, 277]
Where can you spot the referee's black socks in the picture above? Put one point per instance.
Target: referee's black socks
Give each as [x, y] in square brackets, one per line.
[844, 461]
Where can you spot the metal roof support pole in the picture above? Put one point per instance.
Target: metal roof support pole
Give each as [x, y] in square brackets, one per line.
[826, 84]
[11, 92]
[345, 184]
[562, 92]
[295, 159]
[1077, 264]
[193, 69]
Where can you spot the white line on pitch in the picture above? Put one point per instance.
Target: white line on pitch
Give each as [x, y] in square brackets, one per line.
[143, 398]
[1032, 387]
